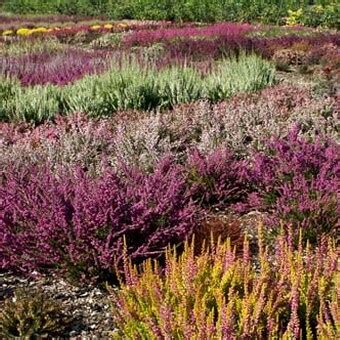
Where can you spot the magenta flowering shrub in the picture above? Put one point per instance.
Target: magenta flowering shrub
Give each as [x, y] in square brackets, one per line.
[208, 48]
[193, 43]
[221, 39]
[267, 46]
[149, 37]
[74, 223]
[296, 181]
[59, 67]
[215, 179]
[67, 219]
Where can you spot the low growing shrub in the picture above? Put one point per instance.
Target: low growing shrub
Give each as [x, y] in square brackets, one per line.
[298, 182]
[131, 86]
[241, 124]
[58, 67]
[215, 179]
[245, 74]
[217, 295]
[31, 315]
[74, 219]
[75, 224]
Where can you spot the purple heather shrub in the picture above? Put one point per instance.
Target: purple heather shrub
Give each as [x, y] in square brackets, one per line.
[268, 46]
[206, 49]
[297, 181]
[215, 179]
[76, 224]
[79, 220]
[180, 45]
[213, 41]
[60, 67]
[145, 38]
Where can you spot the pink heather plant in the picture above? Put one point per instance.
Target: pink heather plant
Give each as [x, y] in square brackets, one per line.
[79, 220]
[215, 179]
[70, 141]
[216, 40]
[145, 37]
[76, 224]
[60, 67]
[296, 181]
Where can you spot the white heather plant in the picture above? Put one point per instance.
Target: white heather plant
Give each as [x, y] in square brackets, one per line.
[242, 123]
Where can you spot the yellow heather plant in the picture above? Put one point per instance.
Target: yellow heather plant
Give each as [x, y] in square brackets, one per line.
[96, 27]
[23, 31]
[108, 26]
[39, 30]
[294, 17]
[286, 294]
[7, 32]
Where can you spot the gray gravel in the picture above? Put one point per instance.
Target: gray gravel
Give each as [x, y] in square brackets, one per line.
[89, 306]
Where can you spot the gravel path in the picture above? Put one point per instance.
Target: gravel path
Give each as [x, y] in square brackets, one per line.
[89, 306]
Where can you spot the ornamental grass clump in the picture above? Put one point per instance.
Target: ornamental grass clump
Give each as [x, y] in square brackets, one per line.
[217, 295]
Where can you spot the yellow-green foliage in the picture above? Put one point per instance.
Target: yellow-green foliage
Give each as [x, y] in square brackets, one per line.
[219, 296]
[130, 86]
[31, 314]
[23, 31]
[294, 17]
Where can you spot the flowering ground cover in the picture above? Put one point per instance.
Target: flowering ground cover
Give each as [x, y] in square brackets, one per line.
[59, 68]
[120, 144]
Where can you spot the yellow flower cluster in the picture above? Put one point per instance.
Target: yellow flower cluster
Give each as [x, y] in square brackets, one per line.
[108, 26]
[7, 32]
[294, 17]
[27, 31]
